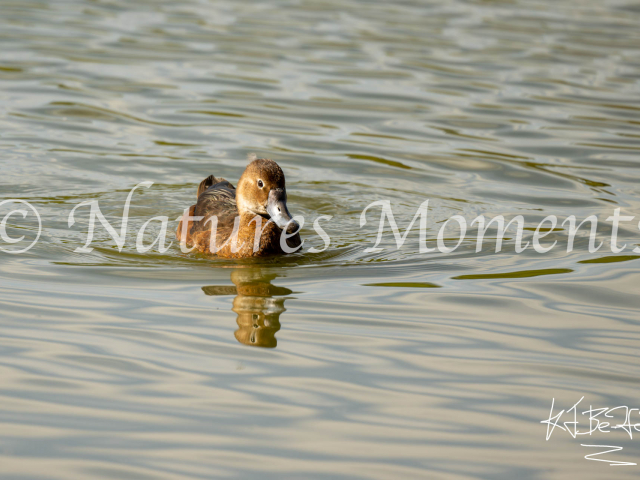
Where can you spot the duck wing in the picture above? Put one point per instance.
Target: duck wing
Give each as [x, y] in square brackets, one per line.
[208, 182]
[216, 198]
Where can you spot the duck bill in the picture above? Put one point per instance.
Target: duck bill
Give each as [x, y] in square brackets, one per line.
[277, 209]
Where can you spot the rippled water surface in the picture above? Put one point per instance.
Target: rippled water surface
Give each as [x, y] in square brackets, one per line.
[388, 364]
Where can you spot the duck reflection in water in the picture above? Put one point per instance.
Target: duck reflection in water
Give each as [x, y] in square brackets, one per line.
[258, 304]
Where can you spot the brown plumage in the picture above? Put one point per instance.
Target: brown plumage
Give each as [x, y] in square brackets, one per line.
[260, 200]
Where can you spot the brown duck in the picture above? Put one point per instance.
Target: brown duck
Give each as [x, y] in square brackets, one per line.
[243, 222]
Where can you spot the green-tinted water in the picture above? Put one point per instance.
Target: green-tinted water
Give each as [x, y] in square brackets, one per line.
[391, 364]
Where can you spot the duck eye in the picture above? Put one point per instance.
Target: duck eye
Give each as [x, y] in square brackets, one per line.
[260, 184]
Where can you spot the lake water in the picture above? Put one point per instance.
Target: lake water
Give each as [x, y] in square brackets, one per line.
[345, 363]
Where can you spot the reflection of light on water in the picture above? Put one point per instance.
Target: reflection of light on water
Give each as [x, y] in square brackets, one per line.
[257, 305]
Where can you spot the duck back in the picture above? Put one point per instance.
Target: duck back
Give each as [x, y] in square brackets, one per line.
[216, 199]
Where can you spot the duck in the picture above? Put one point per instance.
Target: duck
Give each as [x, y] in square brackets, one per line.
[226, 219]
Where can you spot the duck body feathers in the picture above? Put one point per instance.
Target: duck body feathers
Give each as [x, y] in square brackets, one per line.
[234, 233]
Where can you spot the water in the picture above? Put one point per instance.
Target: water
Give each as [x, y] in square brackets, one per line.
[392, 364]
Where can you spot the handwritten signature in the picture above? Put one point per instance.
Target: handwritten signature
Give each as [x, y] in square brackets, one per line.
[601, 420]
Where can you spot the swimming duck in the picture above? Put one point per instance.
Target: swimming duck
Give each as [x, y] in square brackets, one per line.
[233, 214]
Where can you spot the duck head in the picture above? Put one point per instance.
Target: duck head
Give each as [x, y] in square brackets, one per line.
[261, 191]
